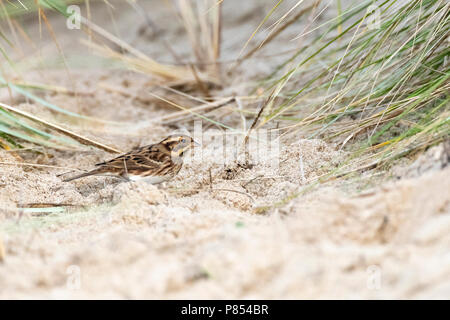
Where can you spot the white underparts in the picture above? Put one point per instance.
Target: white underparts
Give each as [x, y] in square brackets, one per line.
[149, 179]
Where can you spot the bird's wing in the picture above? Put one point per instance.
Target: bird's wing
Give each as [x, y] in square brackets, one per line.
[142, 159]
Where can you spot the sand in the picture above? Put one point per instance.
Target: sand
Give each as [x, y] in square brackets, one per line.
[220, 229]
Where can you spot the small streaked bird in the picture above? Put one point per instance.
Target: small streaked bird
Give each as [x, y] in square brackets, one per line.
[154, 163]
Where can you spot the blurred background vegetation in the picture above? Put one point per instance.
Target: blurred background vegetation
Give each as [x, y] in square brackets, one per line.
[374, 77]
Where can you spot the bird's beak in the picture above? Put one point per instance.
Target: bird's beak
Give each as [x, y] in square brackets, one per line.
[195, 143]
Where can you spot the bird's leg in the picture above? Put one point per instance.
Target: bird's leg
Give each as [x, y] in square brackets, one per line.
[125, 175]
[166, 196]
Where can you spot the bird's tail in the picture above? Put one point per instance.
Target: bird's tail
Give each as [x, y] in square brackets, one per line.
[85, 174]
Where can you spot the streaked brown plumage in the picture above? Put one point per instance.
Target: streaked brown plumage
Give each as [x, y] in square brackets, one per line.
[155, 163]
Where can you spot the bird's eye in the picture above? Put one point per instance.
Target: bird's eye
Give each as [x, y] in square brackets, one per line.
[183, 140]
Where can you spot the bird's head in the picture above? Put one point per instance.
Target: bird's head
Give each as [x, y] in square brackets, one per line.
[178, 144]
